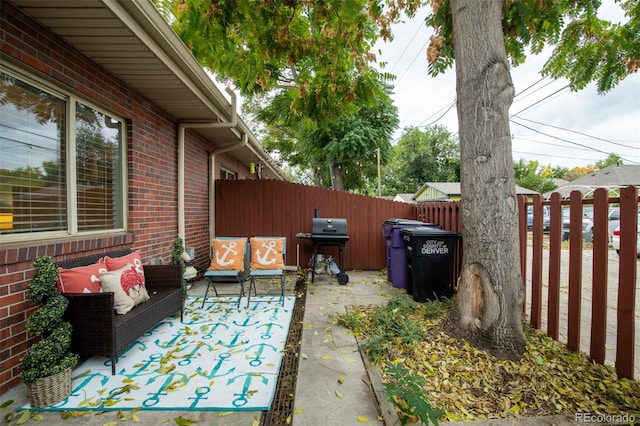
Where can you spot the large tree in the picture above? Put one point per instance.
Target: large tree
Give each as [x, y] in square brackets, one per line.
[342, 153]
[312, 58]
[486, 38]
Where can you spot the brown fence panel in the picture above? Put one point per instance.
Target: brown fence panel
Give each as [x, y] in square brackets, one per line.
[625, 345]
[555, 247]
[536, 264]
[575, 270]
[271, 207]
[600, 275]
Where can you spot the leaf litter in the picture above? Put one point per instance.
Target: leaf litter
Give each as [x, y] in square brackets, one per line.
[467, 383]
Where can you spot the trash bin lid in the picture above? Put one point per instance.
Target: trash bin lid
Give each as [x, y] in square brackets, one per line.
[425, 231]
[399, 221]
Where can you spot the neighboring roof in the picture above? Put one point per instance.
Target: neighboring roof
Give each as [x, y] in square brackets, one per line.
[452, 189]
[405, 198]
[611, 177]
[132, 40]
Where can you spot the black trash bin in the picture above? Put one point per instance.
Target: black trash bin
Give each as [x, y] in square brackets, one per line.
[430, 262]
[396, 251]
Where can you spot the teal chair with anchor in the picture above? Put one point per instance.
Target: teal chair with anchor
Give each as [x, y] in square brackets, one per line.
[268, 256]
[229, 265]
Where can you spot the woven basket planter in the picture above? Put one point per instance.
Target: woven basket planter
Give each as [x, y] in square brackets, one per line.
[50, 390]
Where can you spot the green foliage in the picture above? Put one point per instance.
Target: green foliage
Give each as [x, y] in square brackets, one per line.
[305, 70]
[612, 159]
[43, 283]
[351, 139]
[315, 53]
[586, 48]
[530, 175]
[50, 317]
[421, 156]
[176, 259]
[406, 389]
[389, 325]
[51, 354]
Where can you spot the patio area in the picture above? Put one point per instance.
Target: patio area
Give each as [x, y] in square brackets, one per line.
[317, 353]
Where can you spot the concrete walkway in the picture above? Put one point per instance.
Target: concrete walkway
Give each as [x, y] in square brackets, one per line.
[334, 387]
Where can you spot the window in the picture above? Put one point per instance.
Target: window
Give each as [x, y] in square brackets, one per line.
[226, 174]
[61, 168]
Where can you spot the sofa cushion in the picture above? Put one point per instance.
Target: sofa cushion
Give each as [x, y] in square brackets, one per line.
[82, 279]
[115, 263]
[127, 288]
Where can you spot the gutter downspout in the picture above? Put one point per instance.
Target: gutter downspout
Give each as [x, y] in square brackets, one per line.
[233, 122]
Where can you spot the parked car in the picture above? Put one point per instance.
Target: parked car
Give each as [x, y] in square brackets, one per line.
[615, 238]
[587, 226]
[545, 218]
[614, 221]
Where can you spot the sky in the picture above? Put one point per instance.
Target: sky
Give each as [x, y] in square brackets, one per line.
[563, 128]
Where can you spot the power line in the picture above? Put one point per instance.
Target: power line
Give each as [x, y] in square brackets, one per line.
[414, 59]
[568, 141]
[574, 131]
[546, 97]
[420, 26]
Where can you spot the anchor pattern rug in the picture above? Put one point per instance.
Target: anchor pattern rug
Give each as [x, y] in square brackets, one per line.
[220, 358]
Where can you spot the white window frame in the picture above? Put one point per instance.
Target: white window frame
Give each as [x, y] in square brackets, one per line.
[227, 172]
[71, 173]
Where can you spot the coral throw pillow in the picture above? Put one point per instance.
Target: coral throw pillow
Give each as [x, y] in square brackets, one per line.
[115, 263]
[228, 255]
[266, 253]
[128, 290]
[82, 279]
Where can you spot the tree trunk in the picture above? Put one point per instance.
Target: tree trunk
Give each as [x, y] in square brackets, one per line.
[337, 183]
[488, 310]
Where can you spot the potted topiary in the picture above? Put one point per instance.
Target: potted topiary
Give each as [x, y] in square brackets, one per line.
[177, 258]
[47, 364]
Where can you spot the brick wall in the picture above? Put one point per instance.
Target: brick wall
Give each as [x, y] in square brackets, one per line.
[151, 173]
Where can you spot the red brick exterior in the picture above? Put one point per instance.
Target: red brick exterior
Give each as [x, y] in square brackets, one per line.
[152, 174]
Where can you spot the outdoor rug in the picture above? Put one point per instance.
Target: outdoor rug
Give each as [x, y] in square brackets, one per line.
[220, 358]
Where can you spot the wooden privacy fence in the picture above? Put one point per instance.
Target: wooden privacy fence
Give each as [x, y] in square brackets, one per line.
[271, 207]
[265, 207]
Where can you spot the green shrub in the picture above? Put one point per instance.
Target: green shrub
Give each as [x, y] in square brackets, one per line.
[50, 355]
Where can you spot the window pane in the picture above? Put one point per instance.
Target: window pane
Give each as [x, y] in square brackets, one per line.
[32, 159]
[98, 148]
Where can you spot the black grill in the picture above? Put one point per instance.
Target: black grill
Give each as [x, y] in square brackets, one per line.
[328, 232]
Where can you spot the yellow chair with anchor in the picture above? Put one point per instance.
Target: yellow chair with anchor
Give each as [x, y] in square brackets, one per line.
[229, 265]
[267, 262]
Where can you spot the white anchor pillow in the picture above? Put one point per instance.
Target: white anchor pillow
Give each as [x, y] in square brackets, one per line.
[228, 254]
[266, 253]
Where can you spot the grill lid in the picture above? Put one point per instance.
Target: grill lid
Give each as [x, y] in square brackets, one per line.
[329, 228]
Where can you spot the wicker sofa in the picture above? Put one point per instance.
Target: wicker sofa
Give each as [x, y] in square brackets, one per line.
[98, 330]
